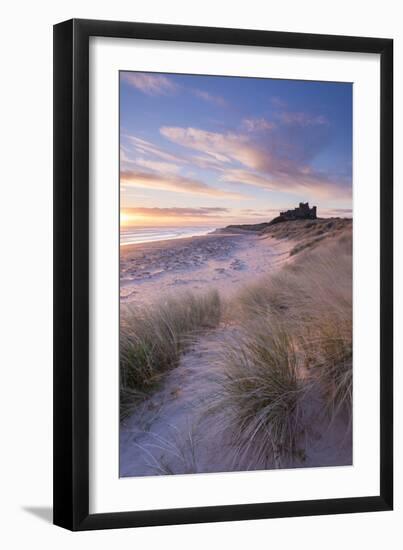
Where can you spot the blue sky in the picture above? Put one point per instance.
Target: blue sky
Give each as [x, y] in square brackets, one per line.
[204, 150]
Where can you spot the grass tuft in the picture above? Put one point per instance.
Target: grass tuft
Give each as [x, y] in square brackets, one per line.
[260, 392]
[152, 340]
[295, 335]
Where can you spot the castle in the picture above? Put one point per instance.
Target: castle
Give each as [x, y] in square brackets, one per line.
[302, 212]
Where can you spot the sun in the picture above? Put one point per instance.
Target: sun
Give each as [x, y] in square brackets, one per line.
[125, 219]
[129, 218]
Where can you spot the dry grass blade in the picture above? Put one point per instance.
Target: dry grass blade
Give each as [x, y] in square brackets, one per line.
[260, 393]
[152, 340]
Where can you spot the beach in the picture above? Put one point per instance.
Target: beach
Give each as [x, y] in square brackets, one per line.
[223, 261]
[202, 319]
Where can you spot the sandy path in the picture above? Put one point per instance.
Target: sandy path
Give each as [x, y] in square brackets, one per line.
[165, 435]
[175, 432]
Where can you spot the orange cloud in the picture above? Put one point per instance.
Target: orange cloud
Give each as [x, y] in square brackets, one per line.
[222, 147]
[175, 183]
[272, 158]
[303, 182]
[203, 212]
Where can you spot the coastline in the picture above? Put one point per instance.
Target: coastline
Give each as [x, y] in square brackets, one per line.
[220, 260]
[148, 234]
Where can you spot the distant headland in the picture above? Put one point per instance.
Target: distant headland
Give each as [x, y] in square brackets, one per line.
[301, 212]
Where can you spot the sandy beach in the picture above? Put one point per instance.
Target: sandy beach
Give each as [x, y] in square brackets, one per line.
[165, 430]
[223, 261]
[188, 422]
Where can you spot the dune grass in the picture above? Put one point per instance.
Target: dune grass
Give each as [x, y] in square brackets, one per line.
[152, 339]
[317, 284]
[295, 333]
[285, 358]
[303, 230]
[328, 353]
[260, 394]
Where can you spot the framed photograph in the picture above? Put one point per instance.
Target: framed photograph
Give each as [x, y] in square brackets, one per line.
[223, 240]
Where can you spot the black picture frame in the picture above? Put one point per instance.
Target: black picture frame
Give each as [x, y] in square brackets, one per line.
[71, 274]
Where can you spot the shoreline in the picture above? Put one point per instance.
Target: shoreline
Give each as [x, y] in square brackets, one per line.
[152, 235]
[132, 246]
[223, 261]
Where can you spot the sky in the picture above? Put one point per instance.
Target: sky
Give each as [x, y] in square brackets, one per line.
[213, 150]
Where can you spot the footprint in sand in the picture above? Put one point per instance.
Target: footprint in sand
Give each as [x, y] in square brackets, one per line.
[237, 264]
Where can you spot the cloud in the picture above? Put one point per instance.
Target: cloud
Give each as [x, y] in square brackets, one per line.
[203, 212]
[208, 162]
[206, 96]
[277, 158]
[157, 166]
[257, 124]
[248, 178]
[154, 84]
[278, 102]
[150, 84]
[124, 158]
[255, 213]
[306, 184]
[263, 153]
[175, 183]
[302, 119]
[336, 212]
[149, 148]
[222, 147]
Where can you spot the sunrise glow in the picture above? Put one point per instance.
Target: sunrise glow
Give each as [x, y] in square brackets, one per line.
[200, 150]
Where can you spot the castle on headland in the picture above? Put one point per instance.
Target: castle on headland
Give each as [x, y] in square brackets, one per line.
[302, 212]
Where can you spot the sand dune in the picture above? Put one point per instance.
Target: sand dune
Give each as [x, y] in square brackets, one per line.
[196, 415]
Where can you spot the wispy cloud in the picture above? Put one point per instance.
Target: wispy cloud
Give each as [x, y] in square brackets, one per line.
[257, 124]
[212, 98]
[274, 157]
[153, 164]
[150, 84]
[144, 146]
[157, 166]
[278, 102]
[299, 182]
[222, 147]
[154, 84]
[302, 119]
[179, 184]
[336, 212]
[202, 212]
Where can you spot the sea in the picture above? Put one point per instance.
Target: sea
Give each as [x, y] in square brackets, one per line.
[135, 235]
